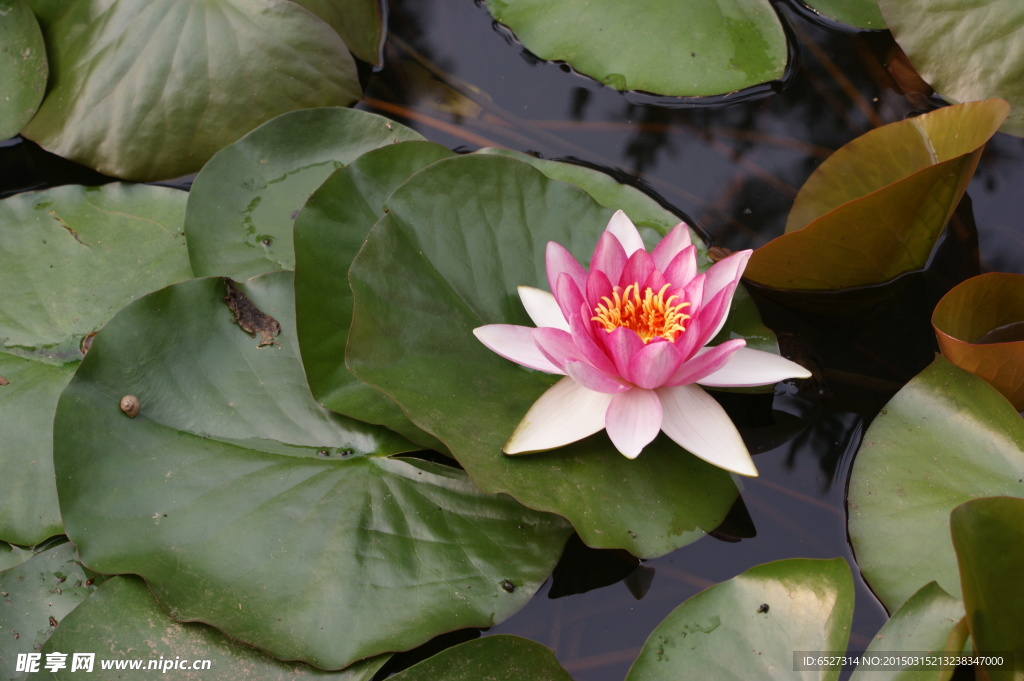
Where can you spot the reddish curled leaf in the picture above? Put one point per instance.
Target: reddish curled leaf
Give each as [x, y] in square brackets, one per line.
[876, 207]
[979, 326]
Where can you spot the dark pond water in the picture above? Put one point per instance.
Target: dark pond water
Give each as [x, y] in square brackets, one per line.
[733, 168]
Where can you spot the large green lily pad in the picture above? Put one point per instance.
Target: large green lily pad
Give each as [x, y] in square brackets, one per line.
[122, 623]
[151, 89]
[35, 596]
[857, 13]
[246, 505]
[988, 535]
[922, 625]
[875, 208]
[359, 22]
[692, 48]
[751, 626]
[459, 237]
[23, 66]
[965, 49]
[494, 658]
[329, 231]
[77, 255]
[947, 437]
[243, 202]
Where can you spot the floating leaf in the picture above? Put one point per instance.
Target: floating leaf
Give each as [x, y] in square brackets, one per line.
[151, 89]
[253, 509]
[359, 22]
[74, 256]
[922, 625]
[122, 623]
[459, 237]
[980, 327]
[23, 66]
[988, 535]
[945, 438]
[965, 49]
[876, 207]
[700, 47]
[242, 203]
[36, 596]
[495, 658]
[857, 13]
[756, 621]
[329, 231]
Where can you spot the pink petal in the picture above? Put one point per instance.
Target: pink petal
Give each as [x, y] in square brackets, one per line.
[655, 281]
[707, 361]
[542, 307]
[633, 420]
[565, 413]
[589, 377]
[638, 267]
[697, 423]
[598, 287]
[583, 333]
[671, 246]
[626, 233]
[609, 256]
[557, 346]
[711, 316]
[726, 273]
[622, 344]
[558, 261]
[515, 343]
[682, 268]
[754, 367]
[568, 297]
[653, 364]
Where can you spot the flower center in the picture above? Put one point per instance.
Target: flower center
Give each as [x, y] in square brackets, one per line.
[650, 315]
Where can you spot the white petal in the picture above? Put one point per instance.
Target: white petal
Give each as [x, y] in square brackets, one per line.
[749, 367]
[565, 413]
[542, 308]
[515, 343]
[697, 423]
[625, 231]
[633, 420]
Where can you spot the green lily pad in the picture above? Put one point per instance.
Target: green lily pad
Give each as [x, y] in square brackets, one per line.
[329, 231]
[122, 623]
[459, 237]
[965, 49]
[979, 327]
[699, 47]
[857, 13]
[23, 66]
[875, 208]
[253, 509]
[988, 535]
[922, 625]
[148, 90]
[945, 438]
[729, 629]
[35, 596]
[242, 203]
[11, 555]
[360, 23]
[495, 658]
[82, 253]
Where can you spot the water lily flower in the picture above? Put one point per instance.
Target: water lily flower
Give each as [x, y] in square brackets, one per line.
[630, 336]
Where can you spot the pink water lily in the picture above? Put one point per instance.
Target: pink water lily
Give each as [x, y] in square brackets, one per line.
[630, 336]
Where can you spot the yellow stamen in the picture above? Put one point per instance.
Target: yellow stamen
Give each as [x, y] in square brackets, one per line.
[651, 316]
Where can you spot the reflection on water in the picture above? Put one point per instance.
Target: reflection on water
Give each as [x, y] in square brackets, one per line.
[734, 169]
